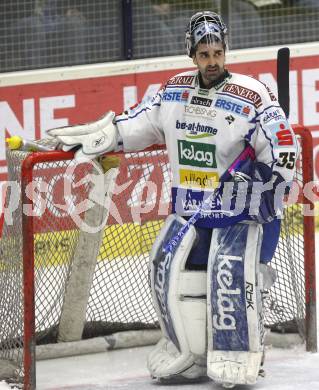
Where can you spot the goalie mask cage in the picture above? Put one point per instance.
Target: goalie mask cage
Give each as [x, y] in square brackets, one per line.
[48, 266]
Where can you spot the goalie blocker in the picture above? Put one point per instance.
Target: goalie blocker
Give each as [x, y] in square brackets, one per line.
[231, 317]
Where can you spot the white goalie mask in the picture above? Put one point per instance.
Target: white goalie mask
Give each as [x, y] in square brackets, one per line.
[205, 23]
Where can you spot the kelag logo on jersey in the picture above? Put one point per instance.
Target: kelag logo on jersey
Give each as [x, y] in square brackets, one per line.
[200, 101]
[175, 96]
[196, 130]
[196, 154]
[234, 107]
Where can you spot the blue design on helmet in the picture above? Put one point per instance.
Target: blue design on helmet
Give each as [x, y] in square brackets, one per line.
[205, 23]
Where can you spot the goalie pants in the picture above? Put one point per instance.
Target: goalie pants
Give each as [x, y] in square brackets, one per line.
[198, 256]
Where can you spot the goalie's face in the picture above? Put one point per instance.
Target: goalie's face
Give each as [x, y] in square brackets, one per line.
[210, 60]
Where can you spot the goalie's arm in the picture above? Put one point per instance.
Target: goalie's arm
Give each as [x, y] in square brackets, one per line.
[141, 126]
[91, 139]
[274, 141]
[135, 129]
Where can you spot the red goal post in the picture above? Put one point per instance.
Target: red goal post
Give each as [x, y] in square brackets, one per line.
[47, 243]
[306, 143]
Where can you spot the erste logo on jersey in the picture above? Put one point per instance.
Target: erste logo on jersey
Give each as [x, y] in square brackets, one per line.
[180, 96]
[196, 129]
[230, 105]
[242, 92]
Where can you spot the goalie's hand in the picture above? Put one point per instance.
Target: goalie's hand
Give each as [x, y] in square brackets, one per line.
[94, 139]
[269, 207]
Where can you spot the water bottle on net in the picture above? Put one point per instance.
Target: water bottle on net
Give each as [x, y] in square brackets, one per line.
[18, 143]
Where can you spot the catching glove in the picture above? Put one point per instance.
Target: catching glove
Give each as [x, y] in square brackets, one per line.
[91, 139]
[263, 203]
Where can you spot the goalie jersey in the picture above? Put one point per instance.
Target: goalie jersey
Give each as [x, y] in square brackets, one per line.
[205, 130]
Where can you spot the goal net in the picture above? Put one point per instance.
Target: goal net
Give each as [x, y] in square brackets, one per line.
[63, 279]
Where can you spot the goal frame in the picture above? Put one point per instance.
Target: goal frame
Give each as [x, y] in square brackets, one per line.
[29, 338]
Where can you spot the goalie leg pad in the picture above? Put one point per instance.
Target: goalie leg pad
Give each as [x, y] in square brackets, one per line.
[235, 318]
[179, 297]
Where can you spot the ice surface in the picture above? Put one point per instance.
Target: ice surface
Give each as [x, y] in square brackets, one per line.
[286, 369]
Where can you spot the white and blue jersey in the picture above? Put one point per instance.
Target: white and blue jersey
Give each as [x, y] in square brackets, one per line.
[205, 130]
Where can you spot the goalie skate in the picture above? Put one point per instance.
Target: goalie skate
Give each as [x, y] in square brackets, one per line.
[230, 368]
[166, 354]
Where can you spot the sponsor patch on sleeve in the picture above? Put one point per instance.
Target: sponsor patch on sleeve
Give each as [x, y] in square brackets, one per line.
[271, 95]
[273, 114]
[281, 134]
